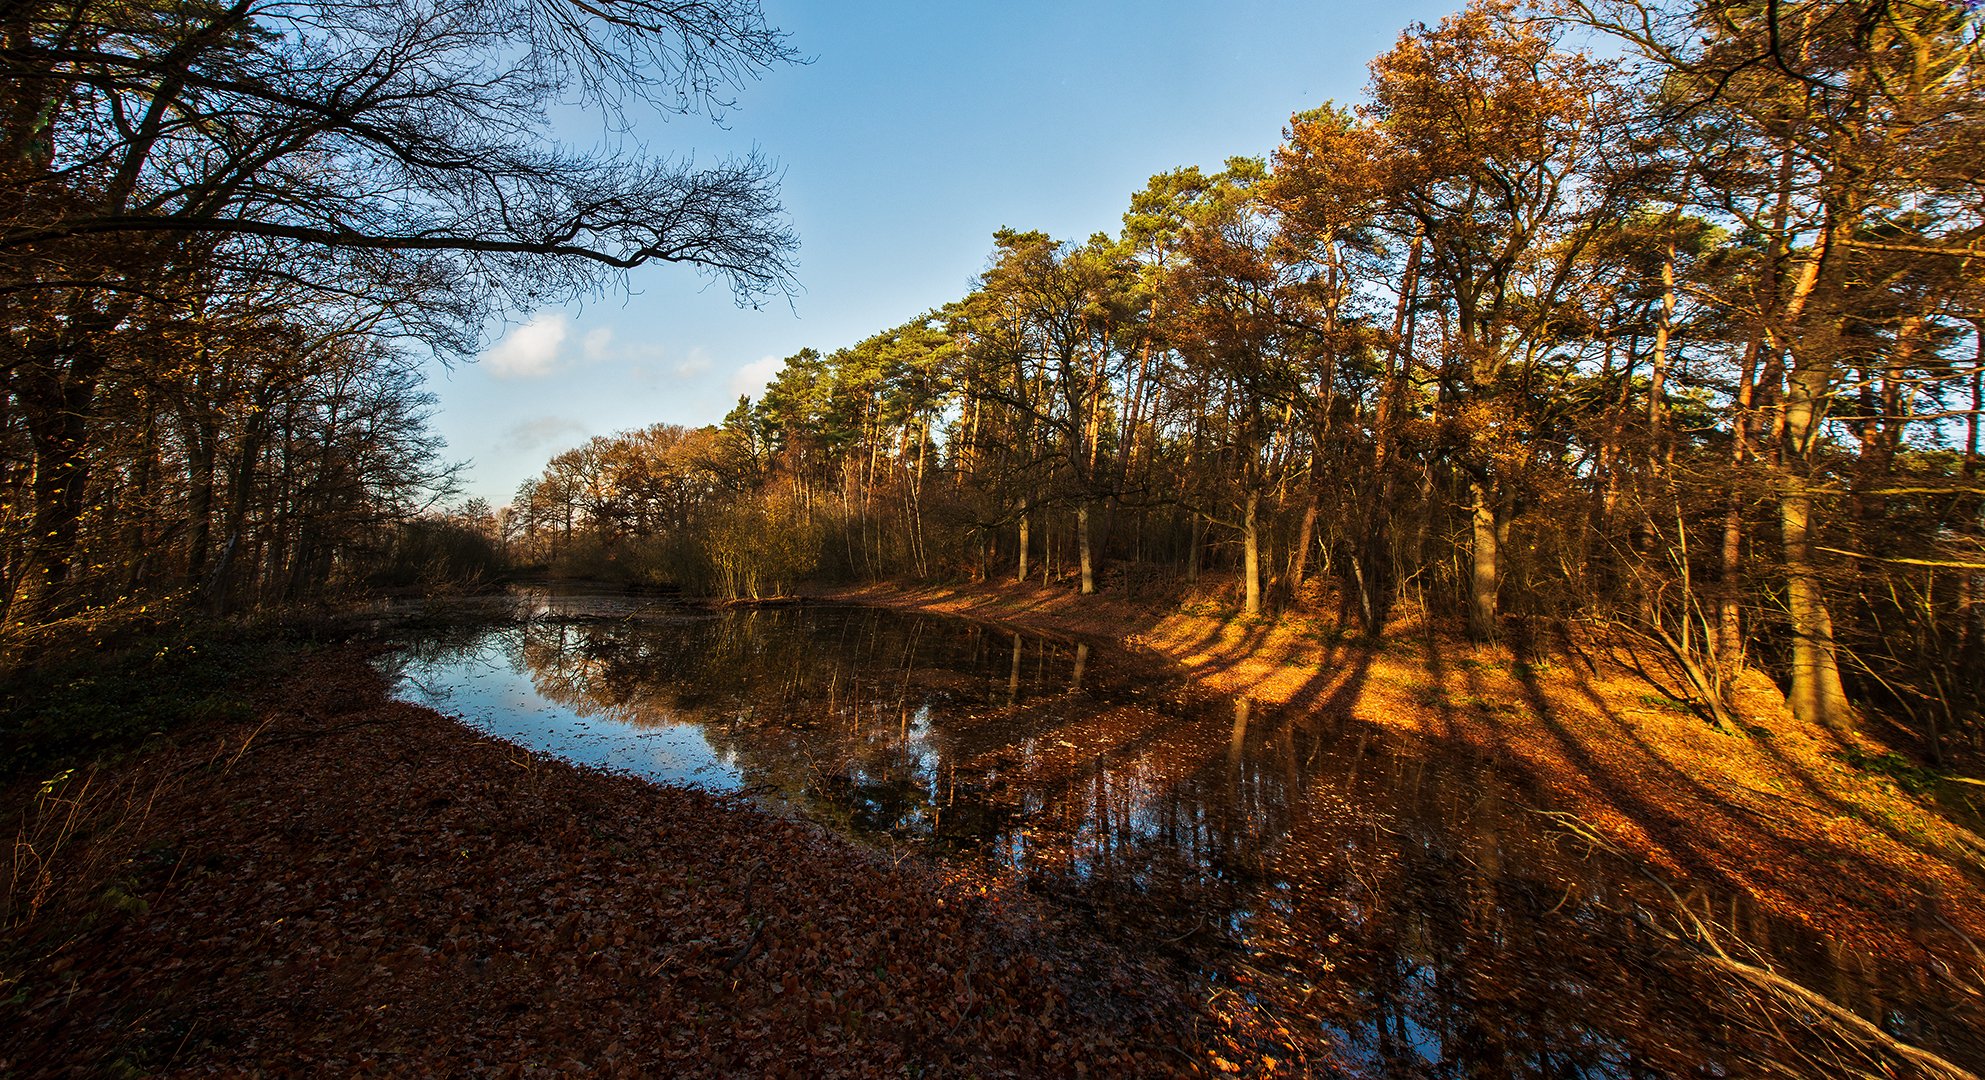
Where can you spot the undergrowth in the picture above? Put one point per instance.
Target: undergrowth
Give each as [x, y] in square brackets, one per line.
[102, 702]
[1906, 774]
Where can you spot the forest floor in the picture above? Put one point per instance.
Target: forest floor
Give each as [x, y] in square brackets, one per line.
[1837, 832]
[337, 884]
[324, 881]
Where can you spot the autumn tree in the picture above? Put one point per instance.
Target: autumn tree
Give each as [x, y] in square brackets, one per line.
[1840, 137]
[1491, 138]
[1681, 347]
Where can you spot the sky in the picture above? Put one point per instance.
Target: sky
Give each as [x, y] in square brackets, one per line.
[915, 131]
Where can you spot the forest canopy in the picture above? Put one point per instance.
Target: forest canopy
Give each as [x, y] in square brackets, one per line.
[1659, 318]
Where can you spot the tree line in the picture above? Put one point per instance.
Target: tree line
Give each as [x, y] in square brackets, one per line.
[1663, 317]
[233, 231]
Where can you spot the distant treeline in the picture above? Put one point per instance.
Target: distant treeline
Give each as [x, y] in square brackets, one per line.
[1686, 344]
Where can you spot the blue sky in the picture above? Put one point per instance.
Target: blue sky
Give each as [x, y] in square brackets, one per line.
[917, 130]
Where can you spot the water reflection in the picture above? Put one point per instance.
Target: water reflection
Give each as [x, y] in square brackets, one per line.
[1400, 912]
[528, 687]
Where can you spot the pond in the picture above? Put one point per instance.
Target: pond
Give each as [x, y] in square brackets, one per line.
[1410, 912]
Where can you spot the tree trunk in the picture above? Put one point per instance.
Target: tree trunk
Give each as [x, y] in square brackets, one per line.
[1192, 549]
[137, 549]
[1251, 555]
[1729, 600]
[241, 488]
[1816, 694]
[1973, 593]
[1484, 581]
[57, 414]
[199, 439]
[1021, 575]
[1730, 582]
[1299, 556]
[1013, 677]
[1082, 547]
[1657, 387]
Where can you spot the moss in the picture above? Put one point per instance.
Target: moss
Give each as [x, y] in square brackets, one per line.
[1666, 704]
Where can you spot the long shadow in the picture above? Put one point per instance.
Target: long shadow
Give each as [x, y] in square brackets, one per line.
[1225, 656]
[1812, 786]
[1617, 795]
[1440, 700]
[1783, 845]
[1329, 696]
[1178, 756]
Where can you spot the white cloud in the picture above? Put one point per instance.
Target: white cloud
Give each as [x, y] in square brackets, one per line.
[695, 364]
[538, 432]
[531, 350]
[597, 343]
[751, 378]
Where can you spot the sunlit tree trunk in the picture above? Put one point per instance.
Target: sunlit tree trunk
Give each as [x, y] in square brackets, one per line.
[1816, 693]
[1663, 329]
[1251, 555]
[1484, 554]
[1973, 592]
[1730, 584]
[1299, 555]
[1082, 547]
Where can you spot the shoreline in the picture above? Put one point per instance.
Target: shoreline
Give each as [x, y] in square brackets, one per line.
[358, 884]
[1777, 810]
[349, 884]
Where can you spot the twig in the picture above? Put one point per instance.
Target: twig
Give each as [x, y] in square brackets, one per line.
[1779, 984]
[1763, 977]
[245, 743]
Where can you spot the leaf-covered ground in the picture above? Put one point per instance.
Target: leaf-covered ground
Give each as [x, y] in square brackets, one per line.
[1788, 813]
[346, 885]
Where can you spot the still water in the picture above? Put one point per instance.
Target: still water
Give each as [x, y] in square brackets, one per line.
[1399, 912]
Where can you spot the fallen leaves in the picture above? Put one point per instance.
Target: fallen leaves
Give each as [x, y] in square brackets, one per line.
[1691, 802]
[397, 896]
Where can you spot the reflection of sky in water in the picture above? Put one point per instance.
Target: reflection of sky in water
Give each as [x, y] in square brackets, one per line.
[482, 687]
[1404, 901]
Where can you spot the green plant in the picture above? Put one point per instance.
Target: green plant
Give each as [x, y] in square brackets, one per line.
[1664, 703]
[88, 707]
[1906, 774]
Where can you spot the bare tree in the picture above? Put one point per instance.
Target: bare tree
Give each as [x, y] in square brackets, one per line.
[357, 148]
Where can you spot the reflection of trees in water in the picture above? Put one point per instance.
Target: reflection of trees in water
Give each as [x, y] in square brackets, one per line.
[832, 705]
[1329, 878]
